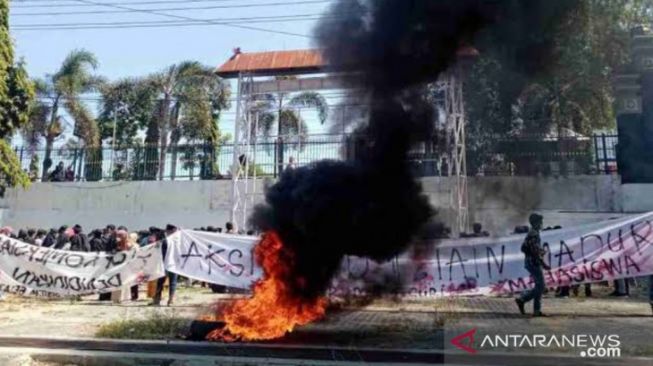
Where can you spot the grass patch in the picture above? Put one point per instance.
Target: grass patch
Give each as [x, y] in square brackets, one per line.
[156, 326]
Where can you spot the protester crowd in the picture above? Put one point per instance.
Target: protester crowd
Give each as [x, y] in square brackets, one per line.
[113, 239]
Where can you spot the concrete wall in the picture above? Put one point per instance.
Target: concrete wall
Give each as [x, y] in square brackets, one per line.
[136, 205]
[500, 203]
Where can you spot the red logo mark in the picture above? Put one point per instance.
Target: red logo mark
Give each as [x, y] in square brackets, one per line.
[465, 346]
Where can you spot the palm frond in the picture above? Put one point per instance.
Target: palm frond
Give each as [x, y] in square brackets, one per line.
[77, 62]
[311, 100]
[290, 122]
[86, 127]
[35, 128]
[43, 87]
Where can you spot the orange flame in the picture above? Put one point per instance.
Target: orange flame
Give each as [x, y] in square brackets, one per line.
[272, 311]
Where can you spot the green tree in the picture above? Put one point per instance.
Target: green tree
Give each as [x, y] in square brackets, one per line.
[568, 89]
[62, 92]
[16, 94]
[191, 97]
[129, 102]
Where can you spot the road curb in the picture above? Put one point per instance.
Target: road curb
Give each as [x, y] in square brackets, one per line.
[285, 353]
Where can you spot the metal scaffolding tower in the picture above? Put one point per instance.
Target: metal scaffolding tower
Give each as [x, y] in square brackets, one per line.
[243, 187]
[245, 67]
[451, 85]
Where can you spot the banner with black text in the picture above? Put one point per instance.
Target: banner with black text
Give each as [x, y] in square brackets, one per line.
[215, 258]
[602, 251]
[608, 250]
[29, 269]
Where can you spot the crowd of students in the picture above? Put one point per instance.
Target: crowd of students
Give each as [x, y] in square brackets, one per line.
[111, 239]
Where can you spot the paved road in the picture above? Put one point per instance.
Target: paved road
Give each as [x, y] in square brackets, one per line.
[55, 352]
[418, 325]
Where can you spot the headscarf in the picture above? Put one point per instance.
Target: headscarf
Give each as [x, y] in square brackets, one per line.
[122, 240]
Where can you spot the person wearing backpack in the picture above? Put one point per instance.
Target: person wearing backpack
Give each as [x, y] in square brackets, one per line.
[534, 264]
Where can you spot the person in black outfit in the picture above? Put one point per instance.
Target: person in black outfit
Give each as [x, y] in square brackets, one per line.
[79, 241]
[62, 238]
[22, 235]
[40, 236]
[95, 241]
[31, 236]
[109, 238]
[109, 244]
[58, 174]
[50, 238]
[534, 263]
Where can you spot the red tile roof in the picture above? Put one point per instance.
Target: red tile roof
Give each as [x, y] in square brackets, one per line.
[272, 63]
[287, 62]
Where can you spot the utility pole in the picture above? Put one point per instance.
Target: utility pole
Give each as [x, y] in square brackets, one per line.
[113, 139]
[119, 107]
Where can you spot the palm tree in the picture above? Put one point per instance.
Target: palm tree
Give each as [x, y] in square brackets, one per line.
[191, 97]
[281, 110]
[61, 92]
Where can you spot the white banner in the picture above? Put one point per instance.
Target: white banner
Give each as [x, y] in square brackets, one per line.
[486, 266]
[29, 269]
[596, 252]
[215, 258]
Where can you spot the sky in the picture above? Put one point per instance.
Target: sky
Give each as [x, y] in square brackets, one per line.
[129, 52]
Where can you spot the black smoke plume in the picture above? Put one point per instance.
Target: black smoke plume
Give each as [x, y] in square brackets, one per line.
[372, 206]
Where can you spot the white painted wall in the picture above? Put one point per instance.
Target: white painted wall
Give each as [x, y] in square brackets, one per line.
[136, 205]
[500, 203]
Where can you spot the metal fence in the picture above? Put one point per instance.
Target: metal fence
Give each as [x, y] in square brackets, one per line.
[498, 155]
[605, 149]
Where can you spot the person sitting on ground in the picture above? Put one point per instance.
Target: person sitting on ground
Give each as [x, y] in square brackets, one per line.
[79, 241]
[534, 263]
[70, 174]
[58, 174]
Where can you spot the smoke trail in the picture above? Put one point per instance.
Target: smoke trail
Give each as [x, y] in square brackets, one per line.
[372, 206]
